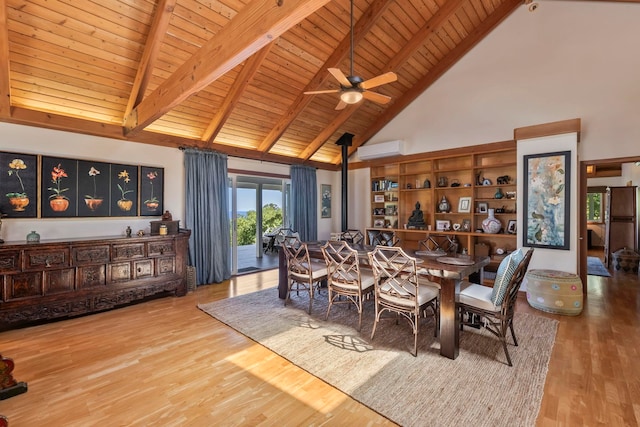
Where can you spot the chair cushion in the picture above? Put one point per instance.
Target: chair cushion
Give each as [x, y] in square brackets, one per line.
[504, 274]
[477, 296]
[425, 294]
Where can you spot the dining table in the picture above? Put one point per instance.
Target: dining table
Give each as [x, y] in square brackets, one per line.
[449, 271]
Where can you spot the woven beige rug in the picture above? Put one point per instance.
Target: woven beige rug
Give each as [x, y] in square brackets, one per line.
[478, 388]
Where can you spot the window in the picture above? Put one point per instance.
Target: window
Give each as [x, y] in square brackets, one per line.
[594, 207]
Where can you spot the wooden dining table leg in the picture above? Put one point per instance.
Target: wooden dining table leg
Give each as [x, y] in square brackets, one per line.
[449, 319]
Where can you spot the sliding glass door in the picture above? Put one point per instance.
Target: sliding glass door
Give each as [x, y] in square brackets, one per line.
[259, 206]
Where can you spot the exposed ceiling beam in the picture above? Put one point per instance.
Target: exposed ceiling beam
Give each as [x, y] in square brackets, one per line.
[396, 62]
[23, 116]
[492, 21]
[233, 96]
[151, 49]
[364, 24]
[255, 26]
[5, 85]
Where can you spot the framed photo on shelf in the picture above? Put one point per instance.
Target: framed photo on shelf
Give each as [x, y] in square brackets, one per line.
[443, 225]
[464, 205]
[483, 207]
[378, 223]
[512, 227]
[466, 225]
[546, 200]
[378, 198]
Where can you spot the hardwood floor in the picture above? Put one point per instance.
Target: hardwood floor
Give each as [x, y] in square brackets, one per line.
[164, 362]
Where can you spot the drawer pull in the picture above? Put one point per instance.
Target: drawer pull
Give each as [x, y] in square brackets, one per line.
[47, 262]
[139, 270]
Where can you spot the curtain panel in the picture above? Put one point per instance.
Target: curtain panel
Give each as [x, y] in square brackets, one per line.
[304, 201]
[207, 214]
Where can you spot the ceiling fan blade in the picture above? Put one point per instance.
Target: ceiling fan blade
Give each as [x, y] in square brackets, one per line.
[340, 77]
[376, 97]
[315, 92]
[379, 80]
[341, 105]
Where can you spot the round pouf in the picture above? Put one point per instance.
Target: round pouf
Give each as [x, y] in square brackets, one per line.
[554, 291]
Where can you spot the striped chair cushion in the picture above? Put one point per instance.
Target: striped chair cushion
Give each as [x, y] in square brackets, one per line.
[504, 274]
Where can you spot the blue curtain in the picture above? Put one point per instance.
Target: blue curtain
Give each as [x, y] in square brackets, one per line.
[304, 202]
[207, 214]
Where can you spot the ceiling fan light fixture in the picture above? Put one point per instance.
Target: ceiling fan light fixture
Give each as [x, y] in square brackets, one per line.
[351, 96]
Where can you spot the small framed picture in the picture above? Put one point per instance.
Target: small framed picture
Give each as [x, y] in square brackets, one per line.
[512, 227]
[378, 198]
[483, 207]
[464, 205]
[378, 223]
[443, 225]
[466, 225]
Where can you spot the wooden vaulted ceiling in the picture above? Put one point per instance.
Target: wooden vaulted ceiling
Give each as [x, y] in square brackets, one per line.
[230, 74]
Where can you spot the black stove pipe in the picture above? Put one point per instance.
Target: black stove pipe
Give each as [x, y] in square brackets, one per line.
[345, 141]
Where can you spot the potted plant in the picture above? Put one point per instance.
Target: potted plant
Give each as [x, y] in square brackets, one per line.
[124, 204]
[93, 202]
[152, 202]
[58, 201]
[18, 200]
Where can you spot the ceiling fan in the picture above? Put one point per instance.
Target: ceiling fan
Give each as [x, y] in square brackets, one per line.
[353, 88]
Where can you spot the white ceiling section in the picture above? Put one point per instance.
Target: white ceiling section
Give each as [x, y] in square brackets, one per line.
[568, 59]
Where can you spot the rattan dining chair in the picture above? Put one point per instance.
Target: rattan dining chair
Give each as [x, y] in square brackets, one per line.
[495, 307]
[383, 238]
[345, 278]
[352, 237]
[398, 289]
[303, 274]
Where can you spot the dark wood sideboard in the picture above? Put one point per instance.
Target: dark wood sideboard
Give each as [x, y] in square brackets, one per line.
[62, 278]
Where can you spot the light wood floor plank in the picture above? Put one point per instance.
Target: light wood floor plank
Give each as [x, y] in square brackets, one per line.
[164, 362]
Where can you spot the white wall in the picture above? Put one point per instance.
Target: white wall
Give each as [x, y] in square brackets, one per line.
[554, 259]
[31, 140]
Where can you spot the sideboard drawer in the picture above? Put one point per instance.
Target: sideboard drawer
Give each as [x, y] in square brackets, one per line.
[129, 251]
[166, 247]
[38, 259]
[83, 255]
[9, 261]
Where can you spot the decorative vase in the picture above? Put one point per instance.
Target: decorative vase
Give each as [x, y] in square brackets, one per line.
[93, 204]
[59, 204]
[33, 237]
[498, 194]
[125, 205]
[444, 205]
[19, 203]
[491, 225]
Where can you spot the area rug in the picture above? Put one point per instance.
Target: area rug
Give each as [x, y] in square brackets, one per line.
[595, 267]
[478, 388]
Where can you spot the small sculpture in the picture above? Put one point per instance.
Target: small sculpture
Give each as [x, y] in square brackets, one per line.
[416, 220]
[128, 231]
[166, 216]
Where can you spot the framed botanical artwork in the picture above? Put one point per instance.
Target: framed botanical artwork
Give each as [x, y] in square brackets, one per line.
[124, 190]
[512, 227]
[151, 191]
[59, 188]
[547, 186]
[94, 193]
[325, 189]
[464, 205]
[19, 187]
[443, 225]
[483, 207]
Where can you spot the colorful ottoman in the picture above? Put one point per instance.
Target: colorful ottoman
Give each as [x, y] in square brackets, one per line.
[554, 291]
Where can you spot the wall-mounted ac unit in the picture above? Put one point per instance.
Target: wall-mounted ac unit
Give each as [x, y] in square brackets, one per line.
[383, 149]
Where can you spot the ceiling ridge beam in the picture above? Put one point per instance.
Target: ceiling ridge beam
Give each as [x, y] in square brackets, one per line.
[150, 54]
[478, 33]
[360, 29]
[244, 78]
[255, 26]
[5, 83]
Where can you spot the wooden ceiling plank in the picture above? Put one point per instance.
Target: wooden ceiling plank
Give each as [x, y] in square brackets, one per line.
[251, 29]
[435, 73]
[327, 132]
[233, 96]
[149, 56]
[5, 85]
[360, 29]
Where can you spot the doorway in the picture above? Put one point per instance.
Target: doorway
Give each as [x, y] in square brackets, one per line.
[259, 205]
